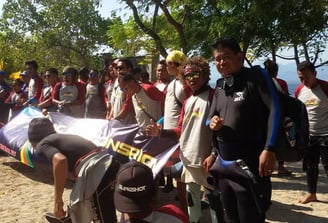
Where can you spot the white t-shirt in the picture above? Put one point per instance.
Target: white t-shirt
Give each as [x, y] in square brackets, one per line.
[316, 103]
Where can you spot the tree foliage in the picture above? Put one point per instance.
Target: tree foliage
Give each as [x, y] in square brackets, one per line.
[263, 27]
[55, 33]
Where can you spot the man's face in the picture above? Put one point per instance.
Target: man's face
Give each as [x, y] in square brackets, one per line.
[30, 69]
[161, 72]
[171, 68]
[25, 78]
[195, 79]
[93, 77]
[68, 78]
[122, 68]
[129, 87]
[307, 77]
[228, 62]
[50, 78]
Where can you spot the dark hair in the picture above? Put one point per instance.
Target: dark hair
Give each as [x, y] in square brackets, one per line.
[271, 67]
[94, 71]
[52, 70]
[71, 70]
[145, 75]
[32, 63]
[127, 62]
[136, 70]
[127, 78]
[306, 65]
[162, 62]
[226, 43]
[18, 81]
[39, 128]
[84, 71]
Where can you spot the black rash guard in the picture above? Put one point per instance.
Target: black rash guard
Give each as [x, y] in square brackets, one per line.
[72, 146]
[251, 113]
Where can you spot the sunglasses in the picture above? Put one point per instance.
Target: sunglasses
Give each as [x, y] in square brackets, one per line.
[46, 76]
[93, 74]
[191, 76]
[67, 74]
[120, 68]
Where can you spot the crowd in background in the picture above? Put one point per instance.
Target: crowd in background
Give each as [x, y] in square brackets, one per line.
[228, 122]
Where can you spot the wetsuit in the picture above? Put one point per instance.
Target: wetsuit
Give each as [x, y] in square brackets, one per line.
[247, 102]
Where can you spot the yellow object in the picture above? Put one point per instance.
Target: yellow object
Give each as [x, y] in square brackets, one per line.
[176, 56]
[14, 76]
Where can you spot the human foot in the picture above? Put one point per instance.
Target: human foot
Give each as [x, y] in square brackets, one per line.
[282, 171]
[309, 197]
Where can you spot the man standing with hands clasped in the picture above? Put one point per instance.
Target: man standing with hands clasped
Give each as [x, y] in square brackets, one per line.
[245, 116]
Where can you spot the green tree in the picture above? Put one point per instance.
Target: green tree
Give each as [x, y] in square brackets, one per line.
[263, 27]
[55, 33]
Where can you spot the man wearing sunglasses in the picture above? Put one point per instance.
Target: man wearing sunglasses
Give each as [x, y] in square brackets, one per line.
[95, 103]
[195, 140]
[52, 78]
[69, 95]
[122, 108]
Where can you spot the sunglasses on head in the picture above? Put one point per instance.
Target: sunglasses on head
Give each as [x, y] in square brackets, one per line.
[190, 76]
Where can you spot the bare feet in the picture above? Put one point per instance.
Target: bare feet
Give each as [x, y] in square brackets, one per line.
[309, 197]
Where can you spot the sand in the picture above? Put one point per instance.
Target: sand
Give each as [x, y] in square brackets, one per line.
[26, 194]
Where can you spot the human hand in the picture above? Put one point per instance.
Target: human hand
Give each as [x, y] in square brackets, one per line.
[25, 103]
[267, 161]
[216, 123]
[59, 210]
[208, 162]
[153, 129]
[65, 103]
[44, 111]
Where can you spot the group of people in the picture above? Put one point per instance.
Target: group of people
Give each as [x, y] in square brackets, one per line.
[236, 121]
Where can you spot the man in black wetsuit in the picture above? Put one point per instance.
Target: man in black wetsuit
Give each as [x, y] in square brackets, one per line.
[244, 117]
[92, 197]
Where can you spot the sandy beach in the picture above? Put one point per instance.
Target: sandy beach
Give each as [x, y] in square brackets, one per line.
[26, 194]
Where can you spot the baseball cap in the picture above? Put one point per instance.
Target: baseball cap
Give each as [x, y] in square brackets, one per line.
[176, 56]
[24, 73]
[135, 188]
[39, 128]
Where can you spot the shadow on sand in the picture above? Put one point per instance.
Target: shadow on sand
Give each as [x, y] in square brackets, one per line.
[291, 213]
[41, 172]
